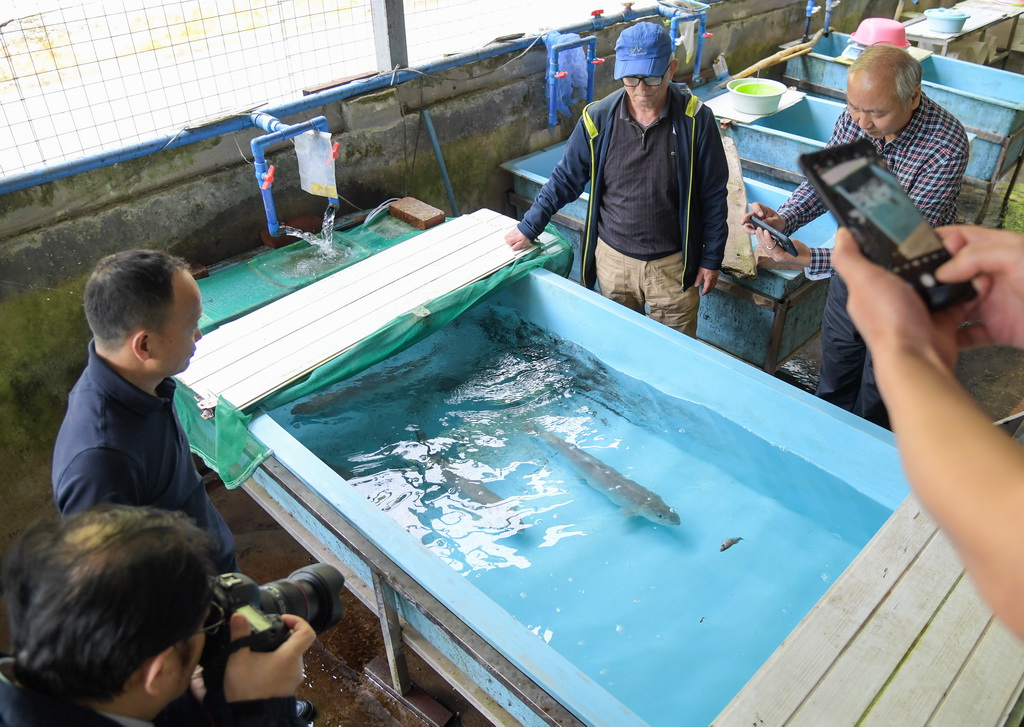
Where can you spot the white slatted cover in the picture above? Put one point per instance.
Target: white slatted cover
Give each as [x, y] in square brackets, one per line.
[249, 358]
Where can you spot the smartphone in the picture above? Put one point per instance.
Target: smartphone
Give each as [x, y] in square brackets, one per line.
[857, 187]
[779, 237]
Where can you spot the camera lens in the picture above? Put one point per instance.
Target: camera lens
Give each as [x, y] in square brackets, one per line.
[313, 592]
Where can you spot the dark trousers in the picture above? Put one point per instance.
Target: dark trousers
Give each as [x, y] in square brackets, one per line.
[847, 378]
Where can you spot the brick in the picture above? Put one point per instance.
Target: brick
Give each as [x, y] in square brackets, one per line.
[418, 214]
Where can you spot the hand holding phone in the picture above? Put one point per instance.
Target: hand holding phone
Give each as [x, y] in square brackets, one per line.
[779, 237]
[866, 197]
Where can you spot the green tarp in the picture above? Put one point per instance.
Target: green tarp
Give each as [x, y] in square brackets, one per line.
[224, 441]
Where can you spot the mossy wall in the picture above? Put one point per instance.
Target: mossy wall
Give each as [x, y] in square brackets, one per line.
[45, 336]
[201, 201]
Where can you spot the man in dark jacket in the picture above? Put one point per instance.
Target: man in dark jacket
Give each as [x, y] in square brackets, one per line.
[657, 218]
[107, 614]
[121, 441]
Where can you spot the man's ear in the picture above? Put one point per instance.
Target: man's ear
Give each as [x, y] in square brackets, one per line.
[155, 672]
[140, 344]
[915, 100]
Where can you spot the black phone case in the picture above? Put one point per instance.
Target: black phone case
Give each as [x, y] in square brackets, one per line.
[779, 237]
[876, 244]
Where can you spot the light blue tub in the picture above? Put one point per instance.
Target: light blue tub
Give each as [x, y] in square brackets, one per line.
[771, 145]
[989, 102]
[762, 321]
[767, 331]
[800, 470]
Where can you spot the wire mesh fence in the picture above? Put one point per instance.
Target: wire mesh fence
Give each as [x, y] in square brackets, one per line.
[437, 27]
[81, 78]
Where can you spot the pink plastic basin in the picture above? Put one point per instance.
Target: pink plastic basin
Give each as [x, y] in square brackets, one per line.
[881, 31]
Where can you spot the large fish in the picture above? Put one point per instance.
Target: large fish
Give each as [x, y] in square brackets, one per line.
[475, 491]
[634, 499]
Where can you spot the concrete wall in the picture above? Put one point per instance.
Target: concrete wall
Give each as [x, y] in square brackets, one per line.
[201, 202]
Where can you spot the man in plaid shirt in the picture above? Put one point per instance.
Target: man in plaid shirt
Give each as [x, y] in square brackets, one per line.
[927, 149]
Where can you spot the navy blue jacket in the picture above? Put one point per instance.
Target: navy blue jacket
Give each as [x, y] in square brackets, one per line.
[701, 169]
[21, 707]
[121, 445]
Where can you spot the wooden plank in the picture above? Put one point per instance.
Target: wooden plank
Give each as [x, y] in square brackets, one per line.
[934, 661]
[739, 258]
[301, 334]
[397, 259]
[251, 335]
[869, 660]
[989, 685]
[778, 688]
[248, 358]
[250, 389]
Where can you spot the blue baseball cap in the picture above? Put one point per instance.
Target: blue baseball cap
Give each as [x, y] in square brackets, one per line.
[643, 49]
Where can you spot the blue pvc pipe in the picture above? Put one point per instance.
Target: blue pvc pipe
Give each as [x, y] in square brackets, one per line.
[828, 17]
[440, 162]
[243, 121]
[679, 15]
[807, 26]
[279, 131]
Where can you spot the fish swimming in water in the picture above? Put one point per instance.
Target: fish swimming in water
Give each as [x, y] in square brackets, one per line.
[729, 543]
[475, 491]
[634, 499]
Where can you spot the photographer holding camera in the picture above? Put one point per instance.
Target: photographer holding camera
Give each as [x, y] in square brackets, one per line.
[109, 614]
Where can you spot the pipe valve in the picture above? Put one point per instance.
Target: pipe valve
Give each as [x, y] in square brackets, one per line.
[268, 178]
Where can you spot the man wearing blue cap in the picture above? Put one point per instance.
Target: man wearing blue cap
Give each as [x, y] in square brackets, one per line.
[657, 218]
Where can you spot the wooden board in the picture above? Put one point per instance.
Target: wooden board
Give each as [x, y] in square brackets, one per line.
[249, 358]
[901, 638]
[739, 251]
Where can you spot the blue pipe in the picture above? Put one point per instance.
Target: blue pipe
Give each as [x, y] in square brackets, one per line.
[829, 4]
[242, 122]
[591, 43]
[807, 26]
[279, 131]
[440, 162]
[679, 15]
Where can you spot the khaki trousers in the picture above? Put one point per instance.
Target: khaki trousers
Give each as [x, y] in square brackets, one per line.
[658, 284]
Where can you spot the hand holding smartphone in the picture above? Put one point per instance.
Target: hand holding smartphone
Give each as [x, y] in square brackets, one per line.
[866, 197]
[779, 237]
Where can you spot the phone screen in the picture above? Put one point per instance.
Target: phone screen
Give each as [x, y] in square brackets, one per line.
[867, 198]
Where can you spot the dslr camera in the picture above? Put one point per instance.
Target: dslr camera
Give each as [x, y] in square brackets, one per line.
[313, 593]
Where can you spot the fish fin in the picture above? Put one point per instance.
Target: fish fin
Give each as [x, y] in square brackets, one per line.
[627, 511]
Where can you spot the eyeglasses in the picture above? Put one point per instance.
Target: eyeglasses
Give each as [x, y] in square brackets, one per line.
[214, 620]
[634, 81]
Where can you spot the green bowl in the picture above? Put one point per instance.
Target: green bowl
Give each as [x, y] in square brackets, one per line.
[755, 96]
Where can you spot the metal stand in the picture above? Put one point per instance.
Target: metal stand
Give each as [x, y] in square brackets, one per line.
[415, 699]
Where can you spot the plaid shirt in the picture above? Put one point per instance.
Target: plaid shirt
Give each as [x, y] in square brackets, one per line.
[928, 158]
